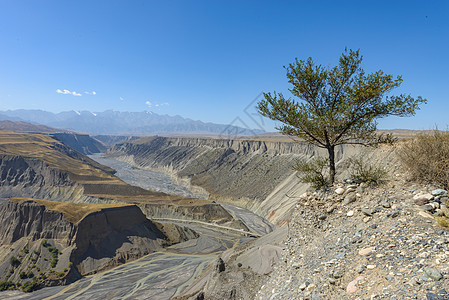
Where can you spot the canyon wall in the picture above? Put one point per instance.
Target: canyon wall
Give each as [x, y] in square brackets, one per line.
[55, 248]
[256, 175]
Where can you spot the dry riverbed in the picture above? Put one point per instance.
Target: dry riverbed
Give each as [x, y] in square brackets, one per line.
[160, 275]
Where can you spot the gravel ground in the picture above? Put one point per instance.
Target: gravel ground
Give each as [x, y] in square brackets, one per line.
[366, 243]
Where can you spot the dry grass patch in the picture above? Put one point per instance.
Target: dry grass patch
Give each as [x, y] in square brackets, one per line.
[73, 212]
[427, 158]
[55, 154]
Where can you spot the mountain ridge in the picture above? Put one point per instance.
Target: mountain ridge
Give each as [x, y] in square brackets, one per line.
[123, 123]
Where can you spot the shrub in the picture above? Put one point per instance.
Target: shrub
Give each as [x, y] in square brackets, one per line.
[23, 275]
[54, 262]
[427, 158]
[4, 285]
[363, 171]
[442, 221]
[30, 286]
[14, 261]
[45, 244]
[313, 172]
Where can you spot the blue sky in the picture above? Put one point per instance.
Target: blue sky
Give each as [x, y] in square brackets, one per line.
[209, 60]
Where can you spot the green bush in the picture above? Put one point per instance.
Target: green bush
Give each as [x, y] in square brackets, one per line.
[363, 171]
[4, 285]
[30, 286]
[45, 244]
[426, 157]
[14, 261]
[23, 275]
[313, 171]
[54, 262]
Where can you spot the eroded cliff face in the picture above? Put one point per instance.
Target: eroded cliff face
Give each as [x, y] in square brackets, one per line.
[253, 174]
[31, 177]
[18, 171]
[34, 221]
[82, 143]
[41, 246]
[240, 172]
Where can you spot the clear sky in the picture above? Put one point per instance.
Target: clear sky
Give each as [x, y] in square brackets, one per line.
[209, 60]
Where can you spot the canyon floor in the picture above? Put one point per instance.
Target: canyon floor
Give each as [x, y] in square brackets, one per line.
[160, 275]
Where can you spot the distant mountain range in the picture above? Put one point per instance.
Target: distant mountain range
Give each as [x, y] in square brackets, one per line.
[19, 126]
[124, 123]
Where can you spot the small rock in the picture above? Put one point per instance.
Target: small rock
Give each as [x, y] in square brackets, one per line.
[349, 198]
[330, 209]
[439, 192]
[366, 219]
[340, 191]
[366, 251]
[427, 207]
[386, 204]
[367, 211]
[337, 274]
[350, 213]
[433, 273]
[370, 267]
[421, 201]
[310, 287]
[303, 286]
[360, 268]
[322, 217]
[425, 215]
[332, 280]
[435, 204]
[349, 191]
[352, 286]
[426, 195]
[393, 214]
[431, 296]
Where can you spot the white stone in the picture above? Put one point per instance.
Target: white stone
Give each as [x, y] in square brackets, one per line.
[340, 191]
[350, 213]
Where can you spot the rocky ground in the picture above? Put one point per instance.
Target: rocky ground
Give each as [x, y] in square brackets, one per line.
[360, 242]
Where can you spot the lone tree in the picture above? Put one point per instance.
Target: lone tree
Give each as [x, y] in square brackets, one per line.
[337, 106]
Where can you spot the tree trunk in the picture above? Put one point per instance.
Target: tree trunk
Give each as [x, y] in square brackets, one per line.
[331, 151]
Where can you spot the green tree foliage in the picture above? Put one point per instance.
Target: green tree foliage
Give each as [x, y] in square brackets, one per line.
[338, 105]
[312, 172]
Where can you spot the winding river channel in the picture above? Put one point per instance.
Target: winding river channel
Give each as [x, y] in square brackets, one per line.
[160, 275]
